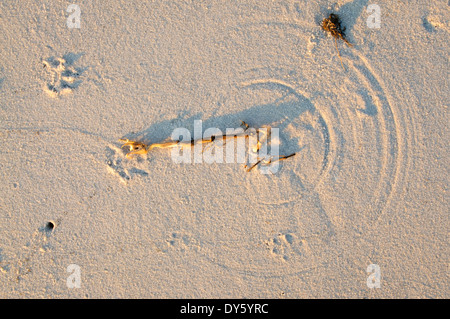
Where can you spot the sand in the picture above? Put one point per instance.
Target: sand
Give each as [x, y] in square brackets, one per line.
[361, 210]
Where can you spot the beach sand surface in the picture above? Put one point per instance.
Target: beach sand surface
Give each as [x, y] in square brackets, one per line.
[361, 210]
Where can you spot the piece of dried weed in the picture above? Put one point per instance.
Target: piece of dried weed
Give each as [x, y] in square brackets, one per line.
[332, 24]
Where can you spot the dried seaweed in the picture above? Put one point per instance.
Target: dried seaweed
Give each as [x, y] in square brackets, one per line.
[332, 24]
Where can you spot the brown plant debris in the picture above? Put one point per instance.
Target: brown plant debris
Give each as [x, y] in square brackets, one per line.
[332, 24]
[261, 135]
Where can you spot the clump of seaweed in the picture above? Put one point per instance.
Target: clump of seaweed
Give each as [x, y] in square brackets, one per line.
[332, 24]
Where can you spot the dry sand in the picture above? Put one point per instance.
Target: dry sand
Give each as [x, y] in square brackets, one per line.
[367, 186]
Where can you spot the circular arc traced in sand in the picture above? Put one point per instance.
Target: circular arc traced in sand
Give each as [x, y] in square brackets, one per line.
[351, 153]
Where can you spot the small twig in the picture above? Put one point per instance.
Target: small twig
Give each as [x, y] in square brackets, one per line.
[139, 148]
[339, 54]
[253, 166]
[270, 161]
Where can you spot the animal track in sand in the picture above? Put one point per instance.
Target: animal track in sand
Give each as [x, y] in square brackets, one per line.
[64, 77]
[118, 165]
[287, 247]
[178, 242]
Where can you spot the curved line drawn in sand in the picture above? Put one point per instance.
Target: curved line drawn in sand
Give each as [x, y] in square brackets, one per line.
[303, 225]
[299, 219]
[360, 139]
[377, 133]
[386, 127]
[65, 77]
[395, 135]
[305, 106]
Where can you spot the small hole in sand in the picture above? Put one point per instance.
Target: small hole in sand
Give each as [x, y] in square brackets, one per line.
[50, 226]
